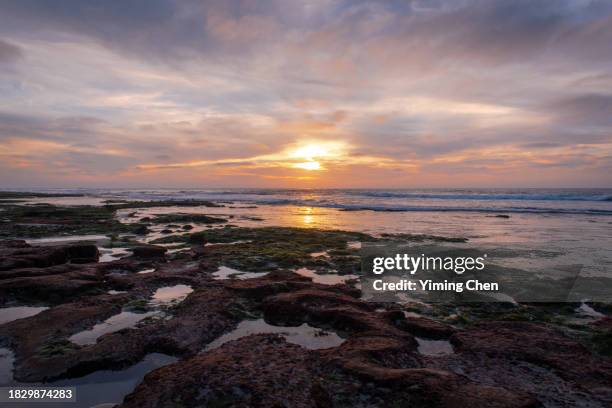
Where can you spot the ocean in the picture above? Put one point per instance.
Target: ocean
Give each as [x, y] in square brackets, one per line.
[534, 229]
[559, 201]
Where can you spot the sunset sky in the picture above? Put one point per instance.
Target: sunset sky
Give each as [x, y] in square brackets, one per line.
[317, 93]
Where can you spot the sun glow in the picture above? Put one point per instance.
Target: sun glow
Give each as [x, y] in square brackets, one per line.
[310, 155]
[314, 152]
[309, 165]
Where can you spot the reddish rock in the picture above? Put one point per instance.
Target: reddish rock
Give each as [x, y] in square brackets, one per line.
[392, 352]
[202, 317]
[13, 243]
[141, 229]
[29, 257]
[315, 298]
[324, 307]
[17, 254]
[378, 363]
[539, 345]
[33, 272]
[149, 251]
[268, 285]
[28, 337]
[57, 288]
[423, 327]
[604, 323]
[255, 371]
[83, 253]
[438, 388]
[266, 371]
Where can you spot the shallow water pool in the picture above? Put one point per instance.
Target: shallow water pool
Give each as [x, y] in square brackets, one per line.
[8, 314]
[304, 335]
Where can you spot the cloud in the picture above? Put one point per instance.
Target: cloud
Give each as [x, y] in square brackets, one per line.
[477, 30]
[587, 109]
[212, 91]
[9, 52]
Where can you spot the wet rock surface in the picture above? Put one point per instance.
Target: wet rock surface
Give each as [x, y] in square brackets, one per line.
[429, 328]
[149, 251]
[259, 370]
[16, 254]
[494, 364]
[539, 345]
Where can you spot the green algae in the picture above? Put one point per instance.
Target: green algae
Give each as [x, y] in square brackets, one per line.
[57, 348]
[137, 306]
[187, 218]
[42, 220]
[316, 239]
[122, 205]
[265, 248]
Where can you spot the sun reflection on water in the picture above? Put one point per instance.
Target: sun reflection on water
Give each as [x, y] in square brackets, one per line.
[308, 218]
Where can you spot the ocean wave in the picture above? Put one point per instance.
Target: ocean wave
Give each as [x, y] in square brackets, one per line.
[544, 201]
[485, 196]
[595, 195]
[425, 208]
[482, 210]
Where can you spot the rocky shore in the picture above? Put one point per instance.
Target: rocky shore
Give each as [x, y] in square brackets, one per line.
[490, 355]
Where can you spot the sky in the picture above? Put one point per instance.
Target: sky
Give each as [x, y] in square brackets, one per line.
[313, 93]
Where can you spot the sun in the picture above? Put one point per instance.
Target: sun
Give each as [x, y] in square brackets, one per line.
[309, 165]
[314, 152]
